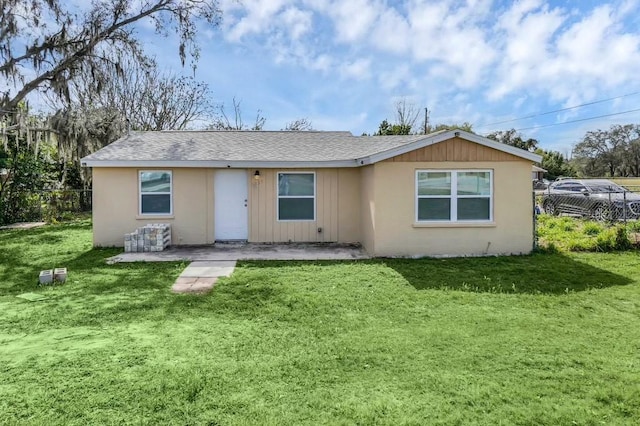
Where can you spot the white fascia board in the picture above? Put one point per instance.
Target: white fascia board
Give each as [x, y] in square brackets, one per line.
[441, 137]
[219, 164]
[403, 149]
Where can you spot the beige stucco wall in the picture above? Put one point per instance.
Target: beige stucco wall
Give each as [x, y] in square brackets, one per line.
[396, 231]
[373, 205]
[349, 205]
[337, 209]
[367, 208]
[115, 206]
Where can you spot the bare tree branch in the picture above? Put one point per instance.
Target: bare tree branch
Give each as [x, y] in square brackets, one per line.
[222, 121]
[56, 53]
[300, 124]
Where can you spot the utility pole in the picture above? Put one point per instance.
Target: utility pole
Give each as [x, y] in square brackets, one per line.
[426, 120]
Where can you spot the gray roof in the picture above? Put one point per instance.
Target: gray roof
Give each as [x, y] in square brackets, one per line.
[247, 148]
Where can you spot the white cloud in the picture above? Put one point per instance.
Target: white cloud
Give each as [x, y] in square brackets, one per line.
[358, 69]
[565, 57]
[353, 19]
[321, 63]
[259, 18]
[396, 77]
[392, 34]
[466, 59]
[296, 21]
[525, 41]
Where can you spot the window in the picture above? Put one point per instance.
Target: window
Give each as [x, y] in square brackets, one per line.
[296, 196]
[454, 196]
[155, 192]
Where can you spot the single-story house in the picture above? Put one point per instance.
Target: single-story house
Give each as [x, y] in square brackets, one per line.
[449, 193]
[537, 173]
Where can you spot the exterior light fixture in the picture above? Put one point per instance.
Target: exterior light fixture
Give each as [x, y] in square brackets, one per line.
[256, 176]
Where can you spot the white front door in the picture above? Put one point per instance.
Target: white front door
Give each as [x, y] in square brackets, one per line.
[230, 199]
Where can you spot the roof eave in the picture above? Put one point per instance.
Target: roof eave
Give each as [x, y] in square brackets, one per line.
[218, 164]
[441, 137]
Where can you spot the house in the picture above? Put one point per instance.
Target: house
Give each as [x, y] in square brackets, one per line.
[537, 173]
[449, 193]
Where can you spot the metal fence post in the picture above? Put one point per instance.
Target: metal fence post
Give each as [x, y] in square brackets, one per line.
[535, 221]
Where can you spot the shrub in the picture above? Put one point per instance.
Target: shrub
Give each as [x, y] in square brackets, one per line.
[573, 234]
[592, 228]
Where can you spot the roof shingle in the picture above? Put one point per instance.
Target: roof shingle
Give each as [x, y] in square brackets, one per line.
[263, 146]
[190, 148]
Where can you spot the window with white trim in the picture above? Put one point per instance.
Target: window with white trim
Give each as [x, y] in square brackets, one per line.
[296, 196]
[156, 192]
[454, 195]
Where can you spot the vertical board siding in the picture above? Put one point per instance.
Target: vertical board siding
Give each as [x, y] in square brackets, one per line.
[263, 199]
[454, 150]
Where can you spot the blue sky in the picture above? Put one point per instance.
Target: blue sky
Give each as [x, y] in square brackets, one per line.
[343, 63]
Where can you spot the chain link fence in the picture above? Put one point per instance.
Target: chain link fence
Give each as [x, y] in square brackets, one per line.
[49, 206]
[602, 201]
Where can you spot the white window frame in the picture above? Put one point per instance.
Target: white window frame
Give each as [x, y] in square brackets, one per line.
[278, 196]
[170, 193]
[453, 196]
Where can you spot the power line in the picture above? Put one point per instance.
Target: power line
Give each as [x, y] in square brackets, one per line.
[560, 110]
[576, 121]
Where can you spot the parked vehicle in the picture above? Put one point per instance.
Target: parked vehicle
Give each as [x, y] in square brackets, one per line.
[599, 199]
[540, 184]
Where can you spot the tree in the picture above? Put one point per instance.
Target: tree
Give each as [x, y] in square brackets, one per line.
[466, 126]
[99, 111]
[81, 131]
[555, 164]
[300, 124]
[147, 98]
[613, 152]
[406, 115]
[386, 129]
[45, 44]
[223, 122]
[24, 173]
[513, 138]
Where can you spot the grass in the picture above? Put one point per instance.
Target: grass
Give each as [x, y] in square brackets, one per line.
[566, 233]
[632, 183]
[549, 338]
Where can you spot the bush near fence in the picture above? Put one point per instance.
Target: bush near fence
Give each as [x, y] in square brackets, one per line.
[60, 205]
[565, 233]
[49, 206]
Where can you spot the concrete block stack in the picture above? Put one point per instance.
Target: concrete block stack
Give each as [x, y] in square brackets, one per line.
[151, 237]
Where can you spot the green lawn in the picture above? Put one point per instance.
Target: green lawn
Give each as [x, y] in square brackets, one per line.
[550, 339]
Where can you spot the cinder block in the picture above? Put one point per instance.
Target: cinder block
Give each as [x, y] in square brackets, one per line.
[46, 276]
[60, 274]
[150, 237]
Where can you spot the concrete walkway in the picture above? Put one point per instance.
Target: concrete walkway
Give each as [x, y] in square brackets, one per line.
[200, 277]
[250, 251]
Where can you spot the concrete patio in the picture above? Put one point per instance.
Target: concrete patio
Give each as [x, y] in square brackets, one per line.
[208, 263]
[247, 251]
